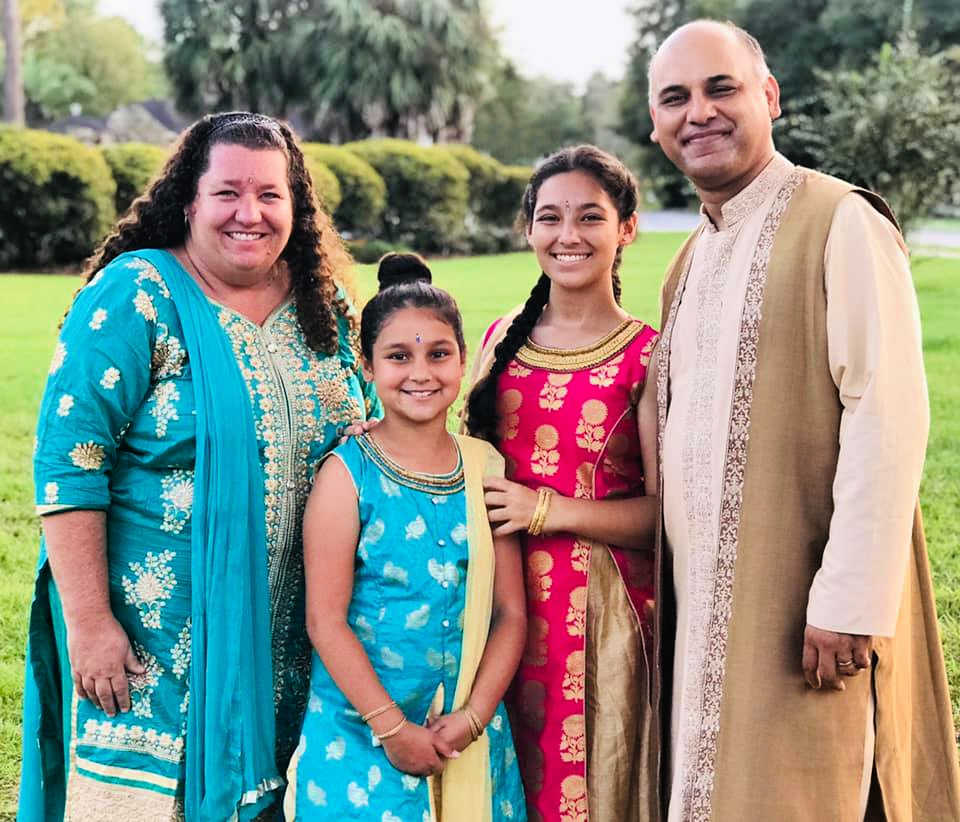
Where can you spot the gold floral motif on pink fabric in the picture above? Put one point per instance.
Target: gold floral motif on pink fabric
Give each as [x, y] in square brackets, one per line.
[604, 375]
[554, 391]
[573, 799]
[539, 565]
[507, 405]
[584, 489]
[545, 457]
[577, 612]
[517, 370]
[536, 650]
[572, 740]
[580, 556]
[573, 676]
[590, 430]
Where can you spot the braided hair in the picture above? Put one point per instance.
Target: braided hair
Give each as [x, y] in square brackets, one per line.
[314, 254]
[482, 417]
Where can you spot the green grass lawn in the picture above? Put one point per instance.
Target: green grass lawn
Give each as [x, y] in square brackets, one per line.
[31, 307]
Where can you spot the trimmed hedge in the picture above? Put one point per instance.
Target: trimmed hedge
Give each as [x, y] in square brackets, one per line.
[426, 192]
[364, 194]
[56, 198]
[495, 189]
[325, 183]
[133, 165]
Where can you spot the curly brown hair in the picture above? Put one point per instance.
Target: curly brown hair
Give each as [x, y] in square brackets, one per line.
[314, 254]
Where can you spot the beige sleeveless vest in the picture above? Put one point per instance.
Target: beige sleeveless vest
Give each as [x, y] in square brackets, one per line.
[771, 738]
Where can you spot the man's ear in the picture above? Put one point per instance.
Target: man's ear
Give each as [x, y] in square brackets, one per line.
[771, 90]
[654, 138]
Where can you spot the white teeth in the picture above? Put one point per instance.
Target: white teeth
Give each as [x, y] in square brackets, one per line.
[571, 258]
[243, 236]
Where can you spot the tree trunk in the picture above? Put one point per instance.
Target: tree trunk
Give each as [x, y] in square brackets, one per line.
[13, 102]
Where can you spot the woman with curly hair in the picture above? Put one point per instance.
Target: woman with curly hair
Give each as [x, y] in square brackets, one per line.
[558, 387]
[201, 375]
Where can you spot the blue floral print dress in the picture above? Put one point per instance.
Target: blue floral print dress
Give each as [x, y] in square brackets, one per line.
[407, 610]
[117, 433]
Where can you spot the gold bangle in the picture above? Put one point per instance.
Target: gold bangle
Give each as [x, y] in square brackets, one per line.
[381, 710]
[476, 726]
[393, 731]
[539, 518]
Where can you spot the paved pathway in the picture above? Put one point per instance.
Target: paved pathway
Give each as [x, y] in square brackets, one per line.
[679, 220]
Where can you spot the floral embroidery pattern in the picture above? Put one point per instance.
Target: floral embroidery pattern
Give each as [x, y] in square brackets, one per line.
[539, 564]
[87, 455]
[148, 273]
[143, 685]
[573, 802]
[181, 651]
[580, 556]
[572, 745]
[123, 737]
[164, 410]
[577, 612]
[508, 403]
[517, 370]
[59, 355]
[554, 391]
[64, 405]
[143, 303]
[545, 457]
[177, 498]
[97, 320]
[590, 431]
[51, 493]
[168, 356]
[604, 375]
[584, 488]
[109, 379]
[151, 589]
[573, 676]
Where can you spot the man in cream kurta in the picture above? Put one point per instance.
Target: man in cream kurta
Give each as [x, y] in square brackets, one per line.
[713, 100]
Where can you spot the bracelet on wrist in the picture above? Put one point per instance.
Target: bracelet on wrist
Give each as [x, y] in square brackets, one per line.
[393, 731]
[378, 711]
[539, 518]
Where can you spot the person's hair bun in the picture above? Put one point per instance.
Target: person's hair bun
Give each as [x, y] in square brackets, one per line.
[396, 269]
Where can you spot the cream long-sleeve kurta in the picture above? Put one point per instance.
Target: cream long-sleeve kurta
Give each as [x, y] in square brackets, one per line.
[874, 348]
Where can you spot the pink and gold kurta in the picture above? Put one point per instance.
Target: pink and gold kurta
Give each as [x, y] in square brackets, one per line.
[568, 422]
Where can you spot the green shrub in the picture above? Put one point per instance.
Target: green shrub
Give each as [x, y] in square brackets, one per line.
[56, 198]
[371, 250]
[133, 165]
[364, 194]
[426, 192]
[505, 200]
[325, 183]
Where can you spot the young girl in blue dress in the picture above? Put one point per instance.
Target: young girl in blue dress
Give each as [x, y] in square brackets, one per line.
[416, 613]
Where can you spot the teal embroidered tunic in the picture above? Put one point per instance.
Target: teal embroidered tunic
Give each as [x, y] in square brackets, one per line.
[116, 433]
[407, 611]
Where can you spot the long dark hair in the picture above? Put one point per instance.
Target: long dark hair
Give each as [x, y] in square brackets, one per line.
[406, 282]
[620, 185]
[314, 254]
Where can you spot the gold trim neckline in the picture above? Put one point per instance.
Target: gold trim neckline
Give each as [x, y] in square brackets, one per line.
[576, 359]
[439, 484]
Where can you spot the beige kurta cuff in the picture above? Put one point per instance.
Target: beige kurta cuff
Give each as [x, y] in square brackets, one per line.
[875, 353]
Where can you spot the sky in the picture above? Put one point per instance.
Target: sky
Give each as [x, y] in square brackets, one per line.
[561, 39]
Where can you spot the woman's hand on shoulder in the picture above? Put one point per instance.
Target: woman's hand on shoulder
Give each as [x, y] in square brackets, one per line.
[510, 505]
[418, 751]
[356, 428]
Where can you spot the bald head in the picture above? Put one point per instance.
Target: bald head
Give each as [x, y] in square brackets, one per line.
[691, 35]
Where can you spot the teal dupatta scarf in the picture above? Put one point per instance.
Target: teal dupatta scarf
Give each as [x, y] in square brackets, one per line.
[230, 724]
